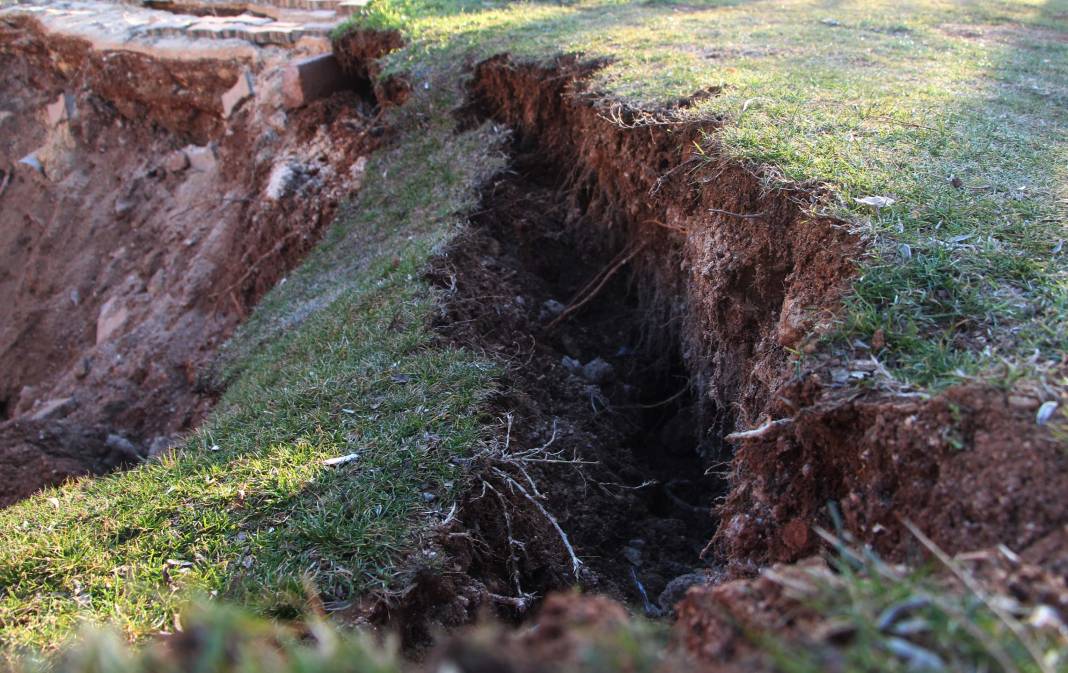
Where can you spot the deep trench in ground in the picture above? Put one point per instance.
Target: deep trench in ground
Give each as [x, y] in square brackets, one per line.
[596, 402]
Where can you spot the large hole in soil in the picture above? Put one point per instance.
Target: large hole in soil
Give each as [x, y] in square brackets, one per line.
[643, 294]
[599, 391]
[138, 229]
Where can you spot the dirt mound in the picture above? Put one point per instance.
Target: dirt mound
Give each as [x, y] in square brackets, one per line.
[148, 203]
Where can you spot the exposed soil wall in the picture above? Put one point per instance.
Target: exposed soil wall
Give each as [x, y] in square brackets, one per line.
[737, 272]
[970, 467]
[691, 259]
[644, 313]
[140, 219]
[184, 100]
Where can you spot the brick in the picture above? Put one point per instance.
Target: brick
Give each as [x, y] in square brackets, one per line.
[310, 79]
[350, 7]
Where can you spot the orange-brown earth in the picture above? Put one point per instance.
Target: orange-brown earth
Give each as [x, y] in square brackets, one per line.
[141, 219]
[649, 298]
[696, 286]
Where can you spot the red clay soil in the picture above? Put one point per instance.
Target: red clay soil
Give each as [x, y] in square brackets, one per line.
[745, 272]
[358, 53]
[152, 227]
[735, 274]
[970, 468]
[723, 628]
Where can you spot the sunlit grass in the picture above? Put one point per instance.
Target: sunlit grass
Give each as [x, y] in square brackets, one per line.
[339, 360]
[957, 111]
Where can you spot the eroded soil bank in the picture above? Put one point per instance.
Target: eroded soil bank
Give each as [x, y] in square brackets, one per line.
[734, 277]
[147, 204]
[643, 316]
[651, 301]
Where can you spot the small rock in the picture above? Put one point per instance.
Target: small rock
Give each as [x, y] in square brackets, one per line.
[175, 162]
[1023, 402]
[33, 162]
[286, 177]
[200, 158]
[571, 364]
[113, 315]
[633, 556]
[677, 588]
[278, 120]
[57, 408]
[429, 497]
[550, 309]
[240, 91]
[81, 370]
[310, 79]
[123, 446]
[597, 371]
[123, 208]
[27, 399]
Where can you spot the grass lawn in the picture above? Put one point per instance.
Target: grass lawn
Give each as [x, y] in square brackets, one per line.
[955, 111]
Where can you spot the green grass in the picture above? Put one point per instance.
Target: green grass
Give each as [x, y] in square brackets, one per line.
[338, 360]
[935, 618]
[956, 110]
[853, 99]
[220, 639]
[882, 619]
